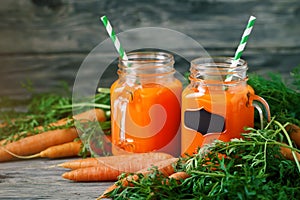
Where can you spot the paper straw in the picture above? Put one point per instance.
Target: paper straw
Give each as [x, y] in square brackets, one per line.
[243, 41]
[239, 51]
[113, 37]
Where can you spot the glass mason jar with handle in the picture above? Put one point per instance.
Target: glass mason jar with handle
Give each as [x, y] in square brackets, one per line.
[218, 103]
[145, 105]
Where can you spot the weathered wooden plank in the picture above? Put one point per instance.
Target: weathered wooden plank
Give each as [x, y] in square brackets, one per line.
[73, 26]
[46, 40]
[46, 72]
[40, 179]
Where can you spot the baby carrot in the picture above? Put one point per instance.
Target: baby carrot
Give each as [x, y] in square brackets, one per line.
[128, 163]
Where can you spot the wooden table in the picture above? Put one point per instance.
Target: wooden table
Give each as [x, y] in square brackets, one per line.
[41, 179]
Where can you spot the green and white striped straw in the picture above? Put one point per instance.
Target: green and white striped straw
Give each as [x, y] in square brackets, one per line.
[243, 41]
[113, 37]
[241, 47]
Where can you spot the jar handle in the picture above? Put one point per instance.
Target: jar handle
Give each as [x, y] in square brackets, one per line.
[262, 107]
[122, 106]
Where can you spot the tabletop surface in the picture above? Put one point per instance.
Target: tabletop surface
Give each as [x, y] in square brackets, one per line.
[41, 179]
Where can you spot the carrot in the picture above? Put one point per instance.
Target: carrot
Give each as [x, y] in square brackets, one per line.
[68, 149]
[294, 132]
[165, 167]
[287, 153]
[6, 141]
[109, 168]
[80, 163]
[129, 163]
[179, 176]
[37, 143]
[90, 174]
[92, 114]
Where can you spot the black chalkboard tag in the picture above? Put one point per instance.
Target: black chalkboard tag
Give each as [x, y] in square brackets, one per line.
[203, 121]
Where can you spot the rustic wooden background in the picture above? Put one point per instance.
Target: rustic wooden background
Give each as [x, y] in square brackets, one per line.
[45, 41]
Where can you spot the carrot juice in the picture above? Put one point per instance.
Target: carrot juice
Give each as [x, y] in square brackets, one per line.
[146, 109]
[215, 107]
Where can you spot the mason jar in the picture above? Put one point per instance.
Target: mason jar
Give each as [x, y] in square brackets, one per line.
[218, 103]
[145, 105]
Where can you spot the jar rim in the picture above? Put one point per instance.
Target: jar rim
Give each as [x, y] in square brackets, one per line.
[212, 70]
[217, 62]
[156, 58]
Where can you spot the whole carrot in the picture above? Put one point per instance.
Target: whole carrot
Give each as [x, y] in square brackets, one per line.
[80, 163]
[68, 149]
[91, 115]
[165, 167]
[37, 143]
[90, 174]
[129, 163]
[93, 169]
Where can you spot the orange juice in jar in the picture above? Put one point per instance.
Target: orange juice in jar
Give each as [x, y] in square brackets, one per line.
[145, 105]
[218, 103]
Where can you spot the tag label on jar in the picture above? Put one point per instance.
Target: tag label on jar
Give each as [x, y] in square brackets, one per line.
[203, 121]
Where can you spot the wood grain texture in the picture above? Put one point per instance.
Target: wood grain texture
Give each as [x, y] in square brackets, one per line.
[40, 179]
[72, 26]
[46, 41]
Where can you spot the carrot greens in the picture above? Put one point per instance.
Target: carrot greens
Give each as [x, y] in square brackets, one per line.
[94, 136]
[38, 111]
[248, 168]
[42, 109]
[282, 97]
